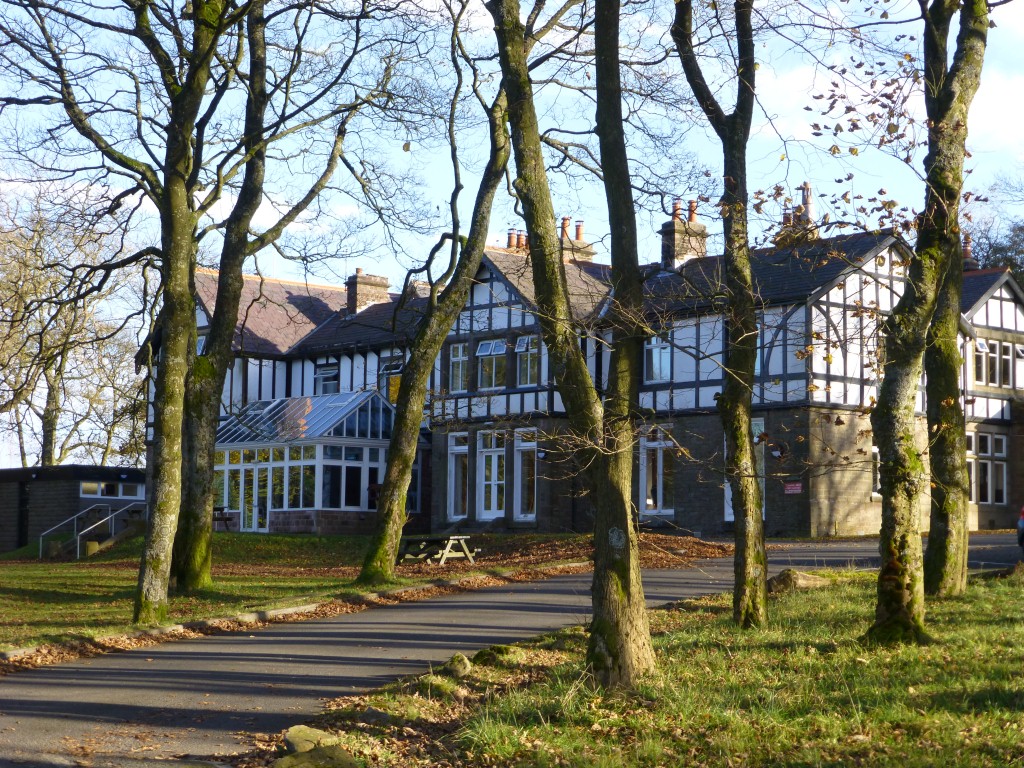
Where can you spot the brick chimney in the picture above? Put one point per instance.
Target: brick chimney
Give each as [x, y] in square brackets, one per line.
[365, 291]
[681, 240]
[575, 249]
[798, 225]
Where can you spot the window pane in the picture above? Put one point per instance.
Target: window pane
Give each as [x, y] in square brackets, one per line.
[130, 490]
[528, 482]
[984, 484]
[234, 488]
[108, 489]
[277, 454]
[651, 479]
[218, 488]
[332, 486]
[277, 488]
[308, 485]
[295, 454]
[294, 486]
[90, 489]
[333, 451]
[353, 486]
[248, 455]
[309, 452]
[218, 457]
[998, 482]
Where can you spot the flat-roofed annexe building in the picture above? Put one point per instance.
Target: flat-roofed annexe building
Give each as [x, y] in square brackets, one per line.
[496, 456]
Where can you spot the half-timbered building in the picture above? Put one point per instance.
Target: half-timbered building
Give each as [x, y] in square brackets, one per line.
[495, 451]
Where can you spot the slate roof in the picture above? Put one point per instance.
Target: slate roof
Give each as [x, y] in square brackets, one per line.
[978, 285]
[781, 275]
[587, 281]
[273, 314]
[376, 326]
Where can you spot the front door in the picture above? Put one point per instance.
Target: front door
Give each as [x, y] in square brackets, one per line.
[254, 499]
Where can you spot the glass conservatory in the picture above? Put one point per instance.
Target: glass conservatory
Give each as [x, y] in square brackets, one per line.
[278, 458]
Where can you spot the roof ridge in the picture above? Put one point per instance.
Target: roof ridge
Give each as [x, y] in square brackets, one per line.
[278, 280]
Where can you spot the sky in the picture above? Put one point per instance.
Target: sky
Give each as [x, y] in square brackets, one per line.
[784, 87]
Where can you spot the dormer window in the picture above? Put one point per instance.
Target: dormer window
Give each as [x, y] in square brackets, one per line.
[326, 379]
[527, 361]
[491, 364]
[657, 359]
[389, 376]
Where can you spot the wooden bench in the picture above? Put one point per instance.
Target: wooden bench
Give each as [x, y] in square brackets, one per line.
[435, 549]
[221, 516]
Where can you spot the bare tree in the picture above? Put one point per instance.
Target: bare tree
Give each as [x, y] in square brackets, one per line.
[734, 405]
[620, 649]
[291, 88]
[65, 363]
[448, 294]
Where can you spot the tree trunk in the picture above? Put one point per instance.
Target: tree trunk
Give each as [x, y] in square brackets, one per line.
[178, 222]
[193, 550]
[945, 560]
[379, 563]
[177, 329]
[620, 649]
[620, 645]
[48, 419]
[750, 592]
[949, 90]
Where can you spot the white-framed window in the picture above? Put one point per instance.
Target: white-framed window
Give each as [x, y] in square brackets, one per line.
[111, 489]
[389, 376]
[757, 429]
[987, 468]
[351, 476]
[458, 476]
[657, 472]
[490, 362]
[525, 468]
[458, 367]
[527, 361]
[657, 359]
[490, 468]
[994, 363]
[326, 379]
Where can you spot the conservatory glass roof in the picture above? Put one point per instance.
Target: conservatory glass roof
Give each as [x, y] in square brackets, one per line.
[364, 415]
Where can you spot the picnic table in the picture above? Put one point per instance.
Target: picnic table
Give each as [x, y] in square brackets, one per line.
[221, 516]
[435, 549]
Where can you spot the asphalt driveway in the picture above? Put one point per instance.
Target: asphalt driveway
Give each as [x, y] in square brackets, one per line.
[202, 697]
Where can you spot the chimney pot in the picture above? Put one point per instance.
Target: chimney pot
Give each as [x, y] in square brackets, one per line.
[677, 210]
[693, 211]
[520, 239]
[579, 230]
[511, 242]
[565, 227]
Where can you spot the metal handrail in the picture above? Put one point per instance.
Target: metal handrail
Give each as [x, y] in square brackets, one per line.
[72, 519]
[108, 519]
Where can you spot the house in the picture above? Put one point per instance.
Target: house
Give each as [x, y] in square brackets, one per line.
[494, 451]
[35, 499]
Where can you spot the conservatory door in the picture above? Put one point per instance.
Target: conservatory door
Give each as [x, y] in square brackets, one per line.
[255, 499]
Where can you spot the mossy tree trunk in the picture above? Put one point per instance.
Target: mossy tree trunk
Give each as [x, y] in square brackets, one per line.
[620, 648]
[379, 563]
[735, 404]
[945, 559]
[950, 86]
[949, 89]
[178, 223]
[193, 552]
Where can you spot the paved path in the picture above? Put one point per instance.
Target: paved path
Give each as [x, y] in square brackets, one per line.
[192, 698]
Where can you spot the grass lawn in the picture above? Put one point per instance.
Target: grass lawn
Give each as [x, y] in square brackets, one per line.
[51, 602]
[45, 602]
[802, 691]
